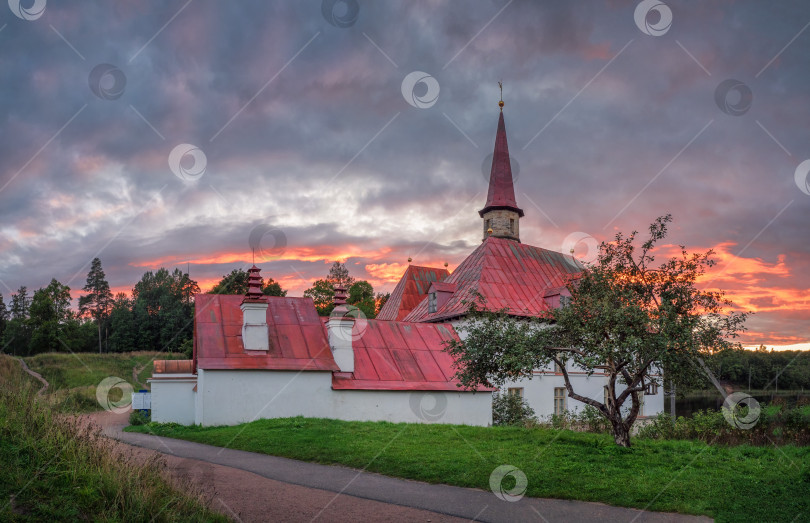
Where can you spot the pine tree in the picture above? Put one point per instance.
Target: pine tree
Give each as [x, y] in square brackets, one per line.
[98, 300]
[17, 330]
[339, 274]
[3, 316]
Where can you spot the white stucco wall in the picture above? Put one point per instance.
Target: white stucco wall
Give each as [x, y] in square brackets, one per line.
[538, 391]
[173, 400]
[228, 397]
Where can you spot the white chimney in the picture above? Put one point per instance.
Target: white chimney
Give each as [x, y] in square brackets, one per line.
[339, 329]
[254, 314]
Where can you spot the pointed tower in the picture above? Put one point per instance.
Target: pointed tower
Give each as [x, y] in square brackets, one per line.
[501, 214]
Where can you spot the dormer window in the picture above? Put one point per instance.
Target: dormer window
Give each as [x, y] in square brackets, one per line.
[432, 302]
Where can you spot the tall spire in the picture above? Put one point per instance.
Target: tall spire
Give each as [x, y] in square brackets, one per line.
[501, 195]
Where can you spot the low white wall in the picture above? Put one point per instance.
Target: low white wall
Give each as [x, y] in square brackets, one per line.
[229, 397]
[173, 400]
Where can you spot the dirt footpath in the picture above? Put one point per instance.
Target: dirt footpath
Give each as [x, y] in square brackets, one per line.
[244, 496]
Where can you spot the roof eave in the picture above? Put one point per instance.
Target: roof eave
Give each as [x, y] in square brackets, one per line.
[488, 208]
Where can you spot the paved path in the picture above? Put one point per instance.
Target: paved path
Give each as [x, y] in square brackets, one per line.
[37, 375]
[470, 504]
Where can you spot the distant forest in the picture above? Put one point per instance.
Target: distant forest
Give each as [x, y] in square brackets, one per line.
[157, 315]
[763, 369]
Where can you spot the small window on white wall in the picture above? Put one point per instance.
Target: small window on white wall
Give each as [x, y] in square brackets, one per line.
[517, 391]
[559, 400]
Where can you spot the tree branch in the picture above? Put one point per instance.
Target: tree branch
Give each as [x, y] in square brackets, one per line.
[593, 403]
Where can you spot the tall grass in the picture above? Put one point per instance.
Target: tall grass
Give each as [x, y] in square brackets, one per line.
[55, 468]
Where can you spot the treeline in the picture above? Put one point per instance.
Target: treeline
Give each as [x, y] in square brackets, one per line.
[157, 315]
[763, 369]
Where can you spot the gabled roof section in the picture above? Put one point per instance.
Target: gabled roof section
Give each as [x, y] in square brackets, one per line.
[501, 193]
[296, 335]
[411, 289]
[393, 355]
[508, 274]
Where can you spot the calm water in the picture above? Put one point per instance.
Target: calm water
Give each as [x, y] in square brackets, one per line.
[687, 406]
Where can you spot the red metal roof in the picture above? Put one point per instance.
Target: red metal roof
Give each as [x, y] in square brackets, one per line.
[393, 355]
[297, 337]
[501, 193]
[173, 367]
[410, 290]
[509, 274]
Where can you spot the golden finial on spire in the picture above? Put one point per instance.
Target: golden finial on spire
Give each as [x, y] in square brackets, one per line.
[501, 104]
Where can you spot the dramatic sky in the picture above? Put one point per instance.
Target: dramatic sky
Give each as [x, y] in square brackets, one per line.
[168, 134]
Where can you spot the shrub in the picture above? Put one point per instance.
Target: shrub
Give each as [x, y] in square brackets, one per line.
[587, 419]
[187, 348]
[775, 425]
[137, 417]
[511, 409]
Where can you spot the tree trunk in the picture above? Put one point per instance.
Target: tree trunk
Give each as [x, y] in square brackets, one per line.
[672, 400]
[621, 435]
[99, 336]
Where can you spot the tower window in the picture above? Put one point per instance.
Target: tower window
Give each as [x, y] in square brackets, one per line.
[512, 225]
[487, 224]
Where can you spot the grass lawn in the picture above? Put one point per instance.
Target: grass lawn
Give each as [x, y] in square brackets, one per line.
[73, 378]
[742, 483]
